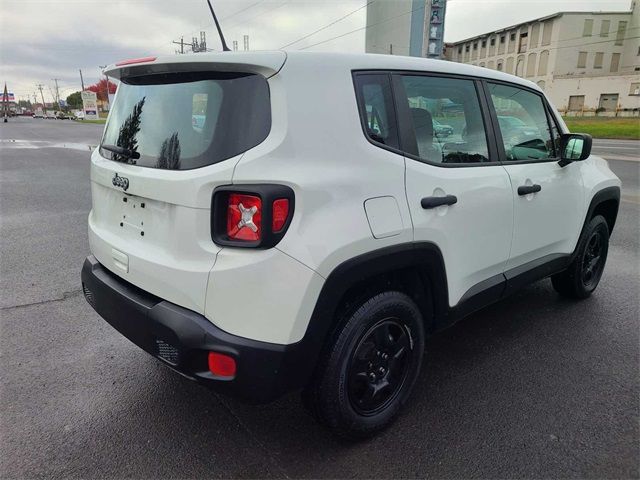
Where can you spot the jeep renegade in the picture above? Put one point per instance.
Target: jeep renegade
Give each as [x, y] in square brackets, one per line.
[265, 222]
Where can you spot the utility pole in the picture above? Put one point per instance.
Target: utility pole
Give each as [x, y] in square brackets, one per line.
[106, 85]
[39, 86]
[81, 79]
[57, 91]
[181, 43]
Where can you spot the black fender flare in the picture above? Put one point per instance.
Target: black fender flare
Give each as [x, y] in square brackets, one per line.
[425, 256]
[601, 196]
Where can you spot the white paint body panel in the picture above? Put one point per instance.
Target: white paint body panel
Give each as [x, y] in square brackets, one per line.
[351, 197]
[474, 235]
[547, 222]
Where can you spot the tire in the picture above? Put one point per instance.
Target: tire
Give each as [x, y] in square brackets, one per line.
[368, 370]
[582, 276]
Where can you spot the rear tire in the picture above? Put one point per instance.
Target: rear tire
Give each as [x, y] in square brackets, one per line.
[582, 276]
[369, 369]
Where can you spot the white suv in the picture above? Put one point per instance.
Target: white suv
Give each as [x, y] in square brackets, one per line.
[265, 222]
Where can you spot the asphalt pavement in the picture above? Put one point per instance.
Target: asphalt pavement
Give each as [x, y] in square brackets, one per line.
[534, 386]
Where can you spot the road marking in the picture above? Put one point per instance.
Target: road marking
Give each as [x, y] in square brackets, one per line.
[35, 144]
[612, 147]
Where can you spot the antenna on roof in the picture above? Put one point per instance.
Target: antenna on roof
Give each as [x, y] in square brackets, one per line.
[215, 19]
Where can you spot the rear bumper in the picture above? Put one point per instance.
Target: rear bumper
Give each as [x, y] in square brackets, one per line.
[182, 339]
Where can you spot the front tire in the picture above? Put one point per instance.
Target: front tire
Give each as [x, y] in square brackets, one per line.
[368, 371]
[583, 274]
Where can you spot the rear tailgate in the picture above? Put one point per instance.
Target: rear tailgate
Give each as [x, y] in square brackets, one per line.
[183, 124]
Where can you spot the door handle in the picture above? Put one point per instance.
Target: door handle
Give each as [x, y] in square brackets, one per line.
[433, 202]
[527, 189]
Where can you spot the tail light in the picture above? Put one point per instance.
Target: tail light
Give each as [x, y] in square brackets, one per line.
[251, 215]
[244, 217]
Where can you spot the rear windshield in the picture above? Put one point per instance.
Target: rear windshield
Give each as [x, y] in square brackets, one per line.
[184, 121]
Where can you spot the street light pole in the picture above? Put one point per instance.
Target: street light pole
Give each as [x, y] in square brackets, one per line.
[106, 85]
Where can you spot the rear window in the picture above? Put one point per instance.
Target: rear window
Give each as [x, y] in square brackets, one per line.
[186, 120]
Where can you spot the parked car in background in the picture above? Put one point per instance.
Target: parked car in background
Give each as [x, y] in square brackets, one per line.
[441, 129]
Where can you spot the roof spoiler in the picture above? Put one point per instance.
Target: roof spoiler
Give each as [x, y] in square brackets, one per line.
[266, 64]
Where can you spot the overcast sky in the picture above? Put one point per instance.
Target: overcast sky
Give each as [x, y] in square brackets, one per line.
[45, 39]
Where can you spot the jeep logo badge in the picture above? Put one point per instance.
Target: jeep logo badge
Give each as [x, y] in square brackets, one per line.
[121, 182]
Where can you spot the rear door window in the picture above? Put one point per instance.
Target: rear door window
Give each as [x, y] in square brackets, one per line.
[184, 121]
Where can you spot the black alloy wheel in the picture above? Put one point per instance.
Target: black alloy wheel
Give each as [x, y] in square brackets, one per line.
[379, 366]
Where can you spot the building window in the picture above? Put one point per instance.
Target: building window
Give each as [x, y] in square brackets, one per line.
[546, 32]
[622, 29]
[597, 61]
[582, 60]
[492, 42]
[635, 89]
[535, 33]
[475, 45]
[466, 47]
[483, 44]
[502, 38]
[588, 27]
[460, 49]
[531, 65]
[512, 36]
[604, 28]
[499, 67]
[522, 47]
[542, 63]
[520, 66]
[576, 103]
[615, 62]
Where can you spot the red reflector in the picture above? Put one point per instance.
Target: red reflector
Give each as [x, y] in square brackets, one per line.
[244, 217]
[222, 365]
[135, 60]
[280, 214]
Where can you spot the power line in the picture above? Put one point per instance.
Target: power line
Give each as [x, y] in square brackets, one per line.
[364, 28]
[259, 14]
[242, 10]
[329, 24]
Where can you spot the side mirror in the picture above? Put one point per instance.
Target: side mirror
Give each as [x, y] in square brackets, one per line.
[574, 147]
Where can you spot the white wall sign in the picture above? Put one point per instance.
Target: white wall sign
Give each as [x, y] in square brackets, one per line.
[90, 105]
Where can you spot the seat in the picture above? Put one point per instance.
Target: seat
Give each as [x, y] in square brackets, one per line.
[423, 127]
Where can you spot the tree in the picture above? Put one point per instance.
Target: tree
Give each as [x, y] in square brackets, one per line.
[100, 88]
[169, 158]
[74, 100]
[128, 132]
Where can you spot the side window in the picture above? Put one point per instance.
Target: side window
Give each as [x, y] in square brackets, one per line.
[523, 123]
[376, 108]
[446, 119]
